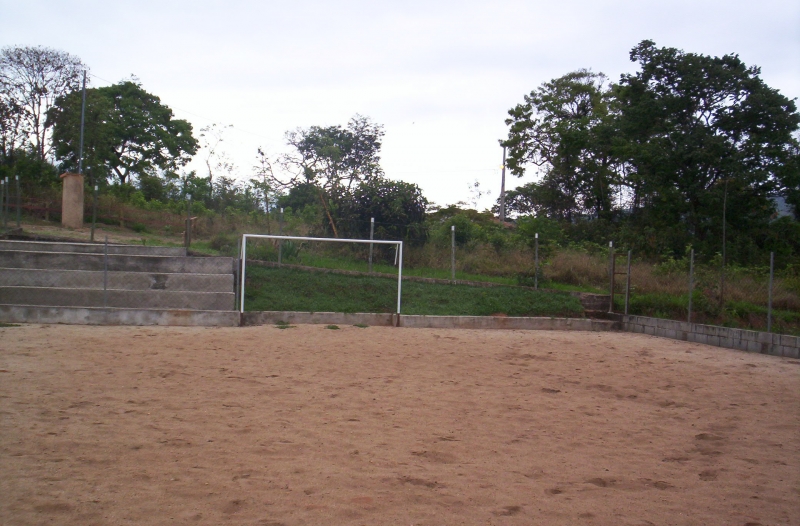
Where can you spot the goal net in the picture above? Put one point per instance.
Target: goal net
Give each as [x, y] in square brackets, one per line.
[287, 244]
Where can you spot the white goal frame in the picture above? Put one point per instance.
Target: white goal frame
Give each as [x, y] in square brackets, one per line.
[324, 239]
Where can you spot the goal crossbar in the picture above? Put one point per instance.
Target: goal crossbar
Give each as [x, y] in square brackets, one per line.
[323, 239]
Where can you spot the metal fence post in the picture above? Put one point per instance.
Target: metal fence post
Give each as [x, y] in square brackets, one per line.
[105, 274]
[399, 278]
[536, 261]
[244, 270]
[19, 203]
[611, 271]
[8, 198]
[771, 277]
[94, 212]
[628, 284]
[691, 284]
[238, 273]
[371, 237]
[280, 243]
[3, 190]
[453, 253]
[188, 220]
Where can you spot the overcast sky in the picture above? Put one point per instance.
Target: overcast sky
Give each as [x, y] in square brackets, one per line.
[439, 75]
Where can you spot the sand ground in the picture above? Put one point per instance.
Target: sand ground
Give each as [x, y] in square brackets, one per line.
[308, 425]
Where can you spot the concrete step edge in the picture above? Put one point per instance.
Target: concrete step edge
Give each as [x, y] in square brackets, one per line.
[47, 245]
[149, 291]
[37, 269]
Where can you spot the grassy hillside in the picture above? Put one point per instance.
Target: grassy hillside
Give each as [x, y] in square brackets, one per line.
[295, 290]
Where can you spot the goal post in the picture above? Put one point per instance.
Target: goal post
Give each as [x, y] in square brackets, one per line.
[243, 254]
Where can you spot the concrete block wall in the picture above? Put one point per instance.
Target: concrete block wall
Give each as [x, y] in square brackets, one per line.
[744, 340]
[328, 318]
[429, 322]
[502, 322]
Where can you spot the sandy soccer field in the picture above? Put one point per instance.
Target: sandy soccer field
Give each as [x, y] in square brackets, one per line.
[308, 425]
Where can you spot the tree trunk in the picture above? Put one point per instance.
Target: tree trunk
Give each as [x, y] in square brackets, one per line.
[328, 212]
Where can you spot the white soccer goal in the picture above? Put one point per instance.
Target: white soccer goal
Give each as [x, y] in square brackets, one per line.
[324, 239]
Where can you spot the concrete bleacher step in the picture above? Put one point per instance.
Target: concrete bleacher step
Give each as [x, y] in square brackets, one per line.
[150, 299]
[115, 262]
[90, 248]
[93, 279]
[130, 278]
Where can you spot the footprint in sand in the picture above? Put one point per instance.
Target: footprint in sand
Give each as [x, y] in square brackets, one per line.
[508, 511]
[708, 474]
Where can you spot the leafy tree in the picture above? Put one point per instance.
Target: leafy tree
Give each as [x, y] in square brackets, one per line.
[702, 133]
[34, 174]
[31, 80]
[563, 127]
[300, 196]
[333, 156]
[12, 136]
[398, 209]
[128, 132]
[331, 159]
[665, 154]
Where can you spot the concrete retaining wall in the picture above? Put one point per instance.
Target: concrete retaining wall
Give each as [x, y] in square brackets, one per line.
[751, 341]
[429, 322]
[343, 318]
[100, 316]
[500, 322]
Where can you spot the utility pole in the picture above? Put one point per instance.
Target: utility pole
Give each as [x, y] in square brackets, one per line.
[724, 247]
[83, 111]
[503, 190]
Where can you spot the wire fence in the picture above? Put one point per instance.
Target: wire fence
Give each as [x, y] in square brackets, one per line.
[694, 288]
[705, 291]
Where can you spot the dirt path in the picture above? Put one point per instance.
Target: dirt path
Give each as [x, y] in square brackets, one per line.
[149, 425]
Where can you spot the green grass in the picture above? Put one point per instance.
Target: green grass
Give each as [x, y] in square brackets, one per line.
[313, 260]
[9, 324]
[359, 265]
[564, 287]
[296, 290]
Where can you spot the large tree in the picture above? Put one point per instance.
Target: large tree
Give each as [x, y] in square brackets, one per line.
[690, 143]
[700, 131]
[31, 80]
[335, 156]
[128, 132]
[330, 159]
[563, 128]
